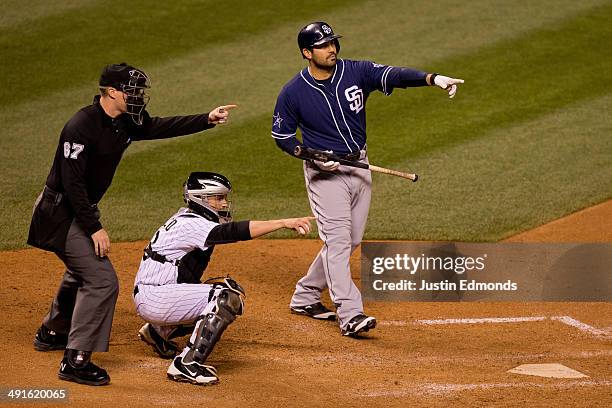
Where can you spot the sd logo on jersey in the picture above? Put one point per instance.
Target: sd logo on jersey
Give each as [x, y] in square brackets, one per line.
[355, 96]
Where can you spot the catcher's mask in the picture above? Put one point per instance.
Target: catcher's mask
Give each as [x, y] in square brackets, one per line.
[132, 82]
[201, 188]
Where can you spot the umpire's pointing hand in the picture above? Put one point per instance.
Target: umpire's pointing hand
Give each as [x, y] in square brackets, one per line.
[220, 114]
[448, 84]
[101, 243]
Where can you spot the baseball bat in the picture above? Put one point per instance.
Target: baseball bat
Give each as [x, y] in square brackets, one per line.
[306, 153]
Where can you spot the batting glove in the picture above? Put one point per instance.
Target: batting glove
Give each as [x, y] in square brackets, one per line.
[448, 84]
[328, 165]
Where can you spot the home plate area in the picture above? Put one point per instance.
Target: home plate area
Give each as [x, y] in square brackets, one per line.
[572, 355]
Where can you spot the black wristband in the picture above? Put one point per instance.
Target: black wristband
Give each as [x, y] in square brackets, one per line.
[432, 77]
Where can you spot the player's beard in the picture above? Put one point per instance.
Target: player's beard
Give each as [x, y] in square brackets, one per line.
[325, 64]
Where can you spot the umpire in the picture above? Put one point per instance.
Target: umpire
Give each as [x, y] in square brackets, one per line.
[66, 219]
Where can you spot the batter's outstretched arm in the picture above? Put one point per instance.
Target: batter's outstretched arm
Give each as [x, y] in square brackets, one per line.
[409, 77]
[385, 78]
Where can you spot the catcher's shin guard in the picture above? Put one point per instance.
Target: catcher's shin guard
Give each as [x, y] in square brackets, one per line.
[227, 305]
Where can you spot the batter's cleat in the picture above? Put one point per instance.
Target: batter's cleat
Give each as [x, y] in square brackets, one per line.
[316, 311]
[359, 324]
[194, 373]
[164, 348]
[90, 374]
[48, 340]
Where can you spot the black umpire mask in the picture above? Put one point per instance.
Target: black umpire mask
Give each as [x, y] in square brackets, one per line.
[133, 82]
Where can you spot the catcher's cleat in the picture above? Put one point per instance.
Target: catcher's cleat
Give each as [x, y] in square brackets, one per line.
[359, 324]
[48, 340]
[164, 348]
[181, 331]
[194, 373]
[316, 311]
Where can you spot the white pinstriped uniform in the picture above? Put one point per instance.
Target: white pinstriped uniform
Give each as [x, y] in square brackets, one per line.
[162, 301]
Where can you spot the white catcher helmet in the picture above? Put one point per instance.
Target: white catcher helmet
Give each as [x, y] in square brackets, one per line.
[200, 186]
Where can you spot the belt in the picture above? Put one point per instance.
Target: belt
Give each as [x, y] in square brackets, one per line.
[351, 156]
[57, 197]
[355, 156]
[150, 253]
[53, 195]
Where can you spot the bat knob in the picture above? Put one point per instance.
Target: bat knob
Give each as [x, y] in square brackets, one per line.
[416, 177]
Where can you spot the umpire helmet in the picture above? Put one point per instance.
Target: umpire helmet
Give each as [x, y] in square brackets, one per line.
[203, 184]
[317, 33]
[132, 82]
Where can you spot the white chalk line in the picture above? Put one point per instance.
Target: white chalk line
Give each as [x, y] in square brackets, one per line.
[442, 388]
[472, 360]
[563, 319]
[483, 320]
[581, 326]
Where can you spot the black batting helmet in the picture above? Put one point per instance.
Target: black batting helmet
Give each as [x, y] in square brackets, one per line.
[317, 33]
[202, 184]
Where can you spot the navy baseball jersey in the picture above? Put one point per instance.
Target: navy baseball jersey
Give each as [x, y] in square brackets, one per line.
[331, 113]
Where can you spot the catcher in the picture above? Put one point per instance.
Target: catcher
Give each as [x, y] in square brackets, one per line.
[168, 293]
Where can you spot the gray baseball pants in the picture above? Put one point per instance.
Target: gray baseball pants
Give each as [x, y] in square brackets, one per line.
[340, 201]
[85, 302]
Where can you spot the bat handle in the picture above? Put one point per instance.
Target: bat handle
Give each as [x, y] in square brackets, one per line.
[409, 176]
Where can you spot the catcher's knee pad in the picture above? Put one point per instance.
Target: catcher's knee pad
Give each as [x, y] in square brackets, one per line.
[210, 327]
[233, 287]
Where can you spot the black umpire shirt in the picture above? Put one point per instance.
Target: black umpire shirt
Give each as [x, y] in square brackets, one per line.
[90, 148]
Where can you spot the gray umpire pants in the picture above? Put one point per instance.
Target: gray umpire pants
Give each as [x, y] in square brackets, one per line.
[85, 302]
[340, 201]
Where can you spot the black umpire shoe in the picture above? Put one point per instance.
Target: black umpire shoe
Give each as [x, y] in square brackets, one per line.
[359, 324]
[76, 367]
[195, 373]
[47, 339]
[316, 311]
[164, 348]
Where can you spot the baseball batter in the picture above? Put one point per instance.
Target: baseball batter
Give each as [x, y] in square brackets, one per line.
[66, 219]
[326, 101]
[168, 293]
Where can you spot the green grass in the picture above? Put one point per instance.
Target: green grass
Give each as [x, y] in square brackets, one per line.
[78, 42]
[526, 140]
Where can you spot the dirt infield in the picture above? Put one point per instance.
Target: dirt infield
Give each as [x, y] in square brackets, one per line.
[593, 224]
[271, 357]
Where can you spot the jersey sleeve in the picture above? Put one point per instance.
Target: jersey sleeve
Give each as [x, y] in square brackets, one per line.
[167, 127]
[228, 233]
[77, 149]
[181, 234]
[375, 76]
[285, 122]
[195, 231]
[385, 78]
